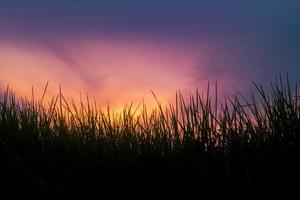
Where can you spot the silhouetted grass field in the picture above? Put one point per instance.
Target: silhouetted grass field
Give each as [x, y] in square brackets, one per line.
[242, 148]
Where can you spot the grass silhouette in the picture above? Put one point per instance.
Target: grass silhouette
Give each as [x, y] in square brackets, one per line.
[243, 148]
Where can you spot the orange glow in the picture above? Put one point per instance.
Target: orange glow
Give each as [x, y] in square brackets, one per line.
[113, 72]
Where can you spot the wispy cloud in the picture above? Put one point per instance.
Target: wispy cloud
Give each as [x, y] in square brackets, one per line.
[65, 54]
[131, 47]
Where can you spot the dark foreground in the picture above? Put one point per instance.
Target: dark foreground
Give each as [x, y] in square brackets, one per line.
[252, 177]
[194, 149]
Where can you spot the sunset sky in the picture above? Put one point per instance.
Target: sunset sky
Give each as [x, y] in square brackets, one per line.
[119, 50]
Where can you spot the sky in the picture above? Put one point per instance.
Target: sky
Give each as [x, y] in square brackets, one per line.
[118, 51]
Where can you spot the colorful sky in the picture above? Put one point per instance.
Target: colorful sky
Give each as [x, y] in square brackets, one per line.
[119, 50]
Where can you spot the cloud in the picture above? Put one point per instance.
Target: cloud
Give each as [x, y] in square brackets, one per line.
[115, 71]
[63, 52]
[104, 45]
[64, 55]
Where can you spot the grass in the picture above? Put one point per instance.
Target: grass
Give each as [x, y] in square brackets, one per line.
[244, 148]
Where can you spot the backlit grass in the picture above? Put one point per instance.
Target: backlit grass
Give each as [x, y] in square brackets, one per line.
[241, 147]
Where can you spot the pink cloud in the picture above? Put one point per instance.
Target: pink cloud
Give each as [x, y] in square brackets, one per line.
[114, 71]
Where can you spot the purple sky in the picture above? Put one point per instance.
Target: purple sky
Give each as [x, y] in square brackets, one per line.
[126, 48]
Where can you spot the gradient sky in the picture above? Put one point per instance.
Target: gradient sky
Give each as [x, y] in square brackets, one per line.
[119, 50]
